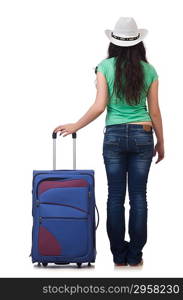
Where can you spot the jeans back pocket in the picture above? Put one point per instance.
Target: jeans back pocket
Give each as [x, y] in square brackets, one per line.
[111, 139]
[144, 139]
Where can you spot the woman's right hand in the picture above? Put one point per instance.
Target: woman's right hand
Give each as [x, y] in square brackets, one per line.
[159, 148]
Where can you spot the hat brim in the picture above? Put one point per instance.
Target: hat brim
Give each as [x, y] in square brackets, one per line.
[143, 33]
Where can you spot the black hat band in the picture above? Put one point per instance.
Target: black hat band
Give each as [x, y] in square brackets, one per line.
[125, 39]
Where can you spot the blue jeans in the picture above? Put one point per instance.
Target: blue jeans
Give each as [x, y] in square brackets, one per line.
[127, 149]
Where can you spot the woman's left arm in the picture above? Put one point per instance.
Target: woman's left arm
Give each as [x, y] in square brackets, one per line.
[94, 111]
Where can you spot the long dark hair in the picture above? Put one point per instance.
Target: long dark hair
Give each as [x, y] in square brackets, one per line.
[129, 69]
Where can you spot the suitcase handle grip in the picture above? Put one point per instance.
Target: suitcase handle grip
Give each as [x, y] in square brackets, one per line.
[54, 137]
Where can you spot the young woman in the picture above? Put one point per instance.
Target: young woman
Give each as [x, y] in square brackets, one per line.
[125, 80]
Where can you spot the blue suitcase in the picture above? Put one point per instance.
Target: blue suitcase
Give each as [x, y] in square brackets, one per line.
[63, 210]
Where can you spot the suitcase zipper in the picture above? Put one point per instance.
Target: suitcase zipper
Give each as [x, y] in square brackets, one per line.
[60, 204]
[65, 218]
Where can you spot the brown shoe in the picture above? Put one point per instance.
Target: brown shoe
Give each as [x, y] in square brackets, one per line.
[137, 265]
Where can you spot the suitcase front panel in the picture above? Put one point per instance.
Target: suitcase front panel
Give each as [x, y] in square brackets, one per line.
[63, 209]
[63, 218]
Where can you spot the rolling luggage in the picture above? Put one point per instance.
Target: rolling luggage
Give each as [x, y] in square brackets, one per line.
[63, 210]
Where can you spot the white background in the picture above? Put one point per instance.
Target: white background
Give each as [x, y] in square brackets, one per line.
[48, 53]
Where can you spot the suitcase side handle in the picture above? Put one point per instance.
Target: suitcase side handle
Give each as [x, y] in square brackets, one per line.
[98, 217]
[54, 137]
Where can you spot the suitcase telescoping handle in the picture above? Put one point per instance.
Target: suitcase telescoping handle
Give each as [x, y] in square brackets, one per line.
[54, 136]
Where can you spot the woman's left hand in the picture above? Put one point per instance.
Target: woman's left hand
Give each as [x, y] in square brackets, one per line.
[68, 128]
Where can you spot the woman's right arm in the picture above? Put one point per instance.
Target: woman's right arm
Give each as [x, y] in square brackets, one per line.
[154, 111]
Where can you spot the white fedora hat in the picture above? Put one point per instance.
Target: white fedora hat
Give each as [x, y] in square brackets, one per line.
[126, 33]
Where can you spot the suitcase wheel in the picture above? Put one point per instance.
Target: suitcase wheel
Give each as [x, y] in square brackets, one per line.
[44, 264]
[89, 264]
[79, 265]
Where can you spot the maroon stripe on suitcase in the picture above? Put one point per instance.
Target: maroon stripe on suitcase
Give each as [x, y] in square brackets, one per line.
[46, 185]
[47, 243]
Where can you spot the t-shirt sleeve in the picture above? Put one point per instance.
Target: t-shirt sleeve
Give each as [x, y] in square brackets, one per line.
[154, 74]
[101, 68]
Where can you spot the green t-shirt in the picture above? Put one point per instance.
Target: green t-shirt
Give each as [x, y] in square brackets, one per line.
[120, 111]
